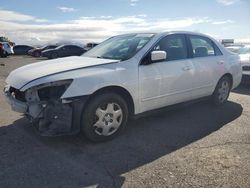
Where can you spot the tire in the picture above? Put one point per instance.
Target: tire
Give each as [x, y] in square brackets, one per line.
[5, 54]
[53, 56]
[37, 54]
[104, 117]
[222, 90]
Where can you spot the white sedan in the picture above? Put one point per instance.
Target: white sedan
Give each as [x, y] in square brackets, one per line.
[122, 77]
[244, 53]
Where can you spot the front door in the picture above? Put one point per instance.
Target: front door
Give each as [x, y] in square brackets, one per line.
[169, 81]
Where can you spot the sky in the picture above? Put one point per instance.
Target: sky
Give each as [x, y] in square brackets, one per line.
[48, 21]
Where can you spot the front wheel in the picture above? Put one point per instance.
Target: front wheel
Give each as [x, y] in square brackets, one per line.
[5, 54]
[222, 90]
[104, 117]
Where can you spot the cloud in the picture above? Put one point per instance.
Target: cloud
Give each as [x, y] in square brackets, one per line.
[31, 30]
[66, 9]
[90, 28]
[227, 2]
[6, 15]
[133, 2]
[243, 40]
[222, 22]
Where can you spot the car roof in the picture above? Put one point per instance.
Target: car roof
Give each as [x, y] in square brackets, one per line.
[170, 32]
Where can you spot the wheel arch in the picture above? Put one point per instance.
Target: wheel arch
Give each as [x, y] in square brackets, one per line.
[230, 76]
[124, 93]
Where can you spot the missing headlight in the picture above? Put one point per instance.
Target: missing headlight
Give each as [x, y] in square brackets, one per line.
[53, 90]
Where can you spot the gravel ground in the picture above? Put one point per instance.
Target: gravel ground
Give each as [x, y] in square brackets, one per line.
[196, 145]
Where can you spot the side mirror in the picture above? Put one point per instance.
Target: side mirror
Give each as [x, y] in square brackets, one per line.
[158, 56]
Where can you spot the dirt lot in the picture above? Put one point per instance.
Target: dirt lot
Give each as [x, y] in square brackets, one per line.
[197, 145]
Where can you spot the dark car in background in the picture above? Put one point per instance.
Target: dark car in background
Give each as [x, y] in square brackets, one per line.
[90, 45]
[63, 51]
[22, 49]
[37, 52]
[1, 51]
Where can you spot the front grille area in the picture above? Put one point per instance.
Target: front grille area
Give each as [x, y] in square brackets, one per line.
[19, 95]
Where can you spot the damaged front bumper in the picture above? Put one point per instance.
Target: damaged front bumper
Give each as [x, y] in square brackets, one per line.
[16, 105]
[52, 117]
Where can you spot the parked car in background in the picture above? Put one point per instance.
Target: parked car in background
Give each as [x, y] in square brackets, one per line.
[233, 48]
[90, 45]
[22, 49]
[244, 53]
[2, 51]
[37, 52]
[124, 76]
[245, 63]
[7, 49]
[63, 51]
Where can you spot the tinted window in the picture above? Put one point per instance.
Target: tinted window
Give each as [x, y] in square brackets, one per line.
[66, 47]
[174, 45]
[75, 47]
[202, 46]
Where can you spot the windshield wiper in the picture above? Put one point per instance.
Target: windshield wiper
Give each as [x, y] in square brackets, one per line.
[103, 57]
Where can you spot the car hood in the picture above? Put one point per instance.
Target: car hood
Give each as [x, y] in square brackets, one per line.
[23, 75]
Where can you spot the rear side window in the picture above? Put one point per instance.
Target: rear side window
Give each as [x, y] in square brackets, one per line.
[75, 48]
[202, 46]
[174, 45]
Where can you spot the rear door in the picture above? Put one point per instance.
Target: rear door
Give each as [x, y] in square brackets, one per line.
[169, 81]
[208, 63]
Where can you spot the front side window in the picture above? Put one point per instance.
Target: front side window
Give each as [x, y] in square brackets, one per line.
[174, 45]
[202, 46]
[121, 47]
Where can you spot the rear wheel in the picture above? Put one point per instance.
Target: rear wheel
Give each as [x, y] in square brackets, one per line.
[222, 90]
[104, 117]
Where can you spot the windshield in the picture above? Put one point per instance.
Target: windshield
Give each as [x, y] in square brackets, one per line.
[244, 50]
[121, 47]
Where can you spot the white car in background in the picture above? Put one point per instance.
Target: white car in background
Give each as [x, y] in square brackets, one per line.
[122, 77]
[7, 49]
[244, 53]
[234, 48]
